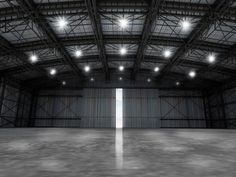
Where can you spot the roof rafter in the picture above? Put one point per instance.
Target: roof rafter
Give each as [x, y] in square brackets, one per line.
[219, 6]
[116, 39]
[97, 28]
[128, 58]
[7, 46]
[223, 57]
[68, 74]
[31, 9]
[150, 20]
[77, 7]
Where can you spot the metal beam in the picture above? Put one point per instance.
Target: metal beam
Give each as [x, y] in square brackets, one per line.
[219, 6]
[128, 58]
[97, 28]
[117, 39]
[77, 7]
[10, 48]
[40, 81]
[31, 9]
[149, 22]
[223, 57]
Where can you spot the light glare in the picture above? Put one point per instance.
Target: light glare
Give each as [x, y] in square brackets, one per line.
[211, 58]
[62, 23]
[121, 68]
[123, 23]
[123, 51]
[87, 68]
[192, 74]
[167, 53]
[33, 58]
[78, 53]
[185, 24]
[53, 71]
[156, 69]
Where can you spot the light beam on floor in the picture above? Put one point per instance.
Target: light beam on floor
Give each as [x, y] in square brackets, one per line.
[119, 130]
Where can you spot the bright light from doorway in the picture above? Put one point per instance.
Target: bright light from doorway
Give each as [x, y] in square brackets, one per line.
[119, 108]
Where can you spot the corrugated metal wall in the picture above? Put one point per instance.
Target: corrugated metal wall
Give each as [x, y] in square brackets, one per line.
[216, 111]
[83, 108]
[8, 106]
[222, 109]
[23, 109]
[14, 105]
[99, 108]
[152, 108]
[230, 107]
[58, 109]
[182, 109]
[141, 108]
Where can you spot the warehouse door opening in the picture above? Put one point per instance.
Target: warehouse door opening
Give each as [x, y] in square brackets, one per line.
[119, 108]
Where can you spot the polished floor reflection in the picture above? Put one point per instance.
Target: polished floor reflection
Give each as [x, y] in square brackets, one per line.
[111, 152]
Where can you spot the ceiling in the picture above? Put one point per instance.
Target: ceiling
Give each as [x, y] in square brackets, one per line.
[30, 27]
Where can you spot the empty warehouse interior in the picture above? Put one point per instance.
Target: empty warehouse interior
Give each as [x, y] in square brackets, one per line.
[118, 88]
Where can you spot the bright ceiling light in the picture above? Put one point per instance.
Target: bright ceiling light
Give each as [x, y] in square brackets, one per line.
[185, 24]
[156, 69]
[63, 82]
[121, 68]
[91, 79]
[62, 23]
[149, 80]
[167, 53]
[177, 83]
[123, 23]
[120, 78]
[123, 51]
[87, 68]
[211, 58]
[192, 74]
[78, 53]
[33, 58]
[53, 71]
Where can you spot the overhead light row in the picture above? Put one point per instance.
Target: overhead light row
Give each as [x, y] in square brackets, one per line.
[53, 71]
[87, 68]
[184, 23]
[62, 23]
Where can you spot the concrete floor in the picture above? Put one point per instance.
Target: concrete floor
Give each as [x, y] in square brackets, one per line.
[106, 152]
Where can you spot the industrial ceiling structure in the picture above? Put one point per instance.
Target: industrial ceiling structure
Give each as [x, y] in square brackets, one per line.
[45, 42]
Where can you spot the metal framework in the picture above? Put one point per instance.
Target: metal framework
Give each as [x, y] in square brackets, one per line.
[9, 48]
[113, 39]
[208, 19]
[28, 27]
[30, 8]
[96, 22]
[147, 28]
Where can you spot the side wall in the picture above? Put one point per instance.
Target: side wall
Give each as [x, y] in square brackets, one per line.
[222, 109]
[152, 108]
[75, 108]
[14, 105]
[95, 108]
